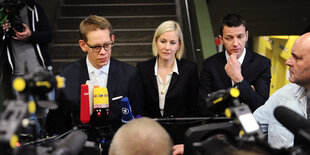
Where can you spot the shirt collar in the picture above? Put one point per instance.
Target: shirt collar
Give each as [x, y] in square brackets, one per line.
[91, 68]
[174, 69]
[240, 59]
[301, 93]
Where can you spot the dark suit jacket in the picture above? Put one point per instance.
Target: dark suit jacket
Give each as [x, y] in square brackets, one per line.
[255, 70]
[123, 80]
[181, 98]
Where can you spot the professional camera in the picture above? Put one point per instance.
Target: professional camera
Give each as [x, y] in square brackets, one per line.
[10, 11]
[238, 134]
[16, 122]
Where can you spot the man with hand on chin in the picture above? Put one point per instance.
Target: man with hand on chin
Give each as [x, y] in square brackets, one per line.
[236, 66]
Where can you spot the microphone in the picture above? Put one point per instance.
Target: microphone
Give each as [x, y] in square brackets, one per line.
[101, 101]
[294, 122]
[221, 95]
[84, 106]
[90, 92]
[71, 144]
[126, 110]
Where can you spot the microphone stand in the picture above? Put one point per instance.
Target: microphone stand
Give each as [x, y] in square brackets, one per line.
[190, 120]
[167, 119]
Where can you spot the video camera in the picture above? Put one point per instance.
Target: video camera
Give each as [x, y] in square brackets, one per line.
[17, 112]
[9, 10]
[224, 137]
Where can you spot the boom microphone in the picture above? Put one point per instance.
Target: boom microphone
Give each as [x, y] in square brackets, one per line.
[72, 144]
[126, 110]
[294, 122]
[84, 106]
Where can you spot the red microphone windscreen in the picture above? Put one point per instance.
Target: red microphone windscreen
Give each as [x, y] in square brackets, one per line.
[84, 106]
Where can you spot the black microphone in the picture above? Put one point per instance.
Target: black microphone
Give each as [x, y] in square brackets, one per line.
[294, 122]
[72, 144]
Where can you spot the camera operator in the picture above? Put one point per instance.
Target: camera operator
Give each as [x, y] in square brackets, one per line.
[25, 36]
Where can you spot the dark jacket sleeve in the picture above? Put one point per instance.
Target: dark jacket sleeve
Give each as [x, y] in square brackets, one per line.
[43, 33]
[258, 95]
[194, 87]
[136, 95]
[206, 81]
[205, 87]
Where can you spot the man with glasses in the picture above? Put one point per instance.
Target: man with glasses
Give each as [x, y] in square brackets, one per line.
[121, 80]
[236, 66]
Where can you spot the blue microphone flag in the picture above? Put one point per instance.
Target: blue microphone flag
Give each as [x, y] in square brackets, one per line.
[126, 110]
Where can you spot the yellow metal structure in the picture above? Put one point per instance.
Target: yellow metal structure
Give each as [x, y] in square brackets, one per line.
[278, 50]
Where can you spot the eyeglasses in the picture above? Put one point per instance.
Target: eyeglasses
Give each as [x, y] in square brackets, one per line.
[97, 49]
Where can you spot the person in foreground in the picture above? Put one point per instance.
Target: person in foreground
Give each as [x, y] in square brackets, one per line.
[292, 96]
[170, 83]
[140, 137]
[121, 80]
[236, 66]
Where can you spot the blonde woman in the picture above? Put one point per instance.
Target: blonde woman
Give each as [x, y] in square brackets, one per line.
[170, 83]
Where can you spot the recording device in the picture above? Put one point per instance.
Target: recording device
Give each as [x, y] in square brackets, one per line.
[244, 117]
[84, 106]
[90, 92]
[220, 138]
[101, 101]
[221, 95]
[17, 111]
[10, 11]
[38, 82]
[126, 110]
[197, 137]
[295, 123]
[9, 124]
[219, 100]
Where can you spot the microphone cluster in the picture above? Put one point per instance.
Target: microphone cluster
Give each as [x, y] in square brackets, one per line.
[95, 101]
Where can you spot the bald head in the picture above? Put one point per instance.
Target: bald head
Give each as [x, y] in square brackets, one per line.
[303, 41]
[299, 62]
[141, 136]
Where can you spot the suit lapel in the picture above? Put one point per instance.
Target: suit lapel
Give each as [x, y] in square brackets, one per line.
[151, 74]
[113, 77]
[246, 62]
[175, 76]
[84, 72]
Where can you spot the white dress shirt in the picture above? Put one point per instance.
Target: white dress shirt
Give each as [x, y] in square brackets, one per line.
[163, 87]
[99, 77]
[240, 60]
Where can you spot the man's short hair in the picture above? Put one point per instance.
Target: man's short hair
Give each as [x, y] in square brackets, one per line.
[93, 23]
[141, 136]
[168, 26]
[232, 20]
